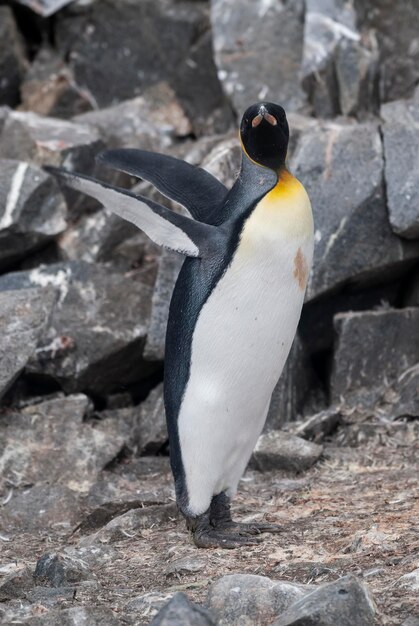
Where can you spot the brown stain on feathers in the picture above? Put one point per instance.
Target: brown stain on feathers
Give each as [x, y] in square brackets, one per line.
[300, 269]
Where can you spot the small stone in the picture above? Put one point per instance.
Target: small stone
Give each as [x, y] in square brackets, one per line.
[401, 137]
[249, 38]
[372, 347]
[76, 616]
[185, 565]
[59, 570]
[346, 602]
[409, 581]
[179, 611]
[318, 426]
[12, 58]
[32, 210]
[280, 450]
[24, 316]
[146, 606]
[251, 600]
[16, 585]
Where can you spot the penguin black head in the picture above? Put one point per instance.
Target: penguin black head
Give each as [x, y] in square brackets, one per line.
[264, 134]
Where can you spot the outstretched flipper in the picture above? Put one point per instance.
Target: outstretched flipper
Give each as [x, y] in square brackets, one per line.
[192, 187]
[163, 226]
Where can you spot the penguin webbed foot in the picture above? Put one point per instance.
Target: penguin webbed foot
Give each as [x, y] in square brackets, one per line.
[206, 536]
[221, 520]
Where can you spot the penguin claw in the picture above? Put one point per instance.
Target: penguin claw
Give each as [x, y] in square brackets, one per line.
[246, 530]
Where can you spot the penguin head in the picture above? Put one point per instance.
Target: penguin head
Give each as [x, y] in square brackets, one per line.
[264, 134]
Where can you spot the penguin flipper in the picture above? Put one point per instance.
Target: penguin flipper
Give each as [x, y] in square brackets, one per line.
[192, 187]
[164, 227]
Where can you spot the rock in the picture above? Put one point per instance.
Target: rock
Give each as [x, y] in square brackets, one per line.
[60, 570]
[156, 36]
[280, 450]
[341, 166]
[398, 47]
[92, 342]
[24, 316]
[318, 426]
[127, 525]
[251, 600]
[258, 51]
[224, 160]
[185, 565]
[179, 611]
[49, 88]
[401, 399]
[16, 585]
[147, 605]
[292, 389]
[150, 433]
[50, 441]
[52, 141]
[411, 297]
[32, 210]
[338, 67]
[401, 136]
[167, 273]
[41, 507]
[409, 581]
[373, 348]
[76, 616]
[151, 121]
[346, 602]
[113, 494]
[12, 58]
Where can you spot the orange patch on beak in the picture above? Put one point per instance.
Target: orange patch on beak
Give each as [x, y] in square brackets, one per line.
[256, 121]
[300, 269]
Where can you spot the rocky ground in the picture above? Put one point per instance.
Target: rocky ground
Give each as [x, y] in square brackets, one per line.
[89, 531]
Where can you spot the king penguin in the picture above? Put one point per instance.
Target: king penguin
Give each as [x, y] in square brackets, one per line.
[234, 310]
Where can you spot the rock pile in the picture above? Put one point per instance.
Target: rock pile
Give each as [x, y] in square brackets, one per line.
[84, 296]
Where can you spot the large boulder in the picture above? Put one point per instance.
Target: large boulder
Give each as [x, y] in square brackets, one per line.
[32, 210]
[341, 166]
[24, 316]
[258, 50]
[401, 138]
[96, 334]
[12, 58]
[373, 349]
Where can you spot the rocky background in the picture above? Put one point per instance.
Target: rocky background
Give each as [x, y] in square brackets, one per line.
[89, 532]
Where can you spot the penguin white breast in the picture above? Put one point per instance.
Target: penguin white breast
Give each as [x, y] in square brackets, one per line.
[241, 341]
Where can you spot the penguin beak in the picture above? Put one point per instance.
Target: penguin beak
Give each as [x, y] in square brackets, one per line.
[263, 114]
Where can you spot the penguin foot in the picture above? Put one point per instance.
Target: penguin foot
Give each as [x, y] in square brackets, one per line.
[206, 536]
[221, 520]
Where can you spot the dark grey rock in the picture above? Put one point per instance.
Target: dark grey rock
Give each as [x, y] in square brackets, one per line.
[113, 492]
[293, 388]
[317, 427]
[373, 348]
[341, 166]
[401, 399]
[401, 137]
[41, 507]
[147, 605]
[12, 58]
[258, 51]
[49, 88]
[76, 616]
[51, 442]
[411, 297]
[97, 329]
[179, 611]
[338, 68]
[16, 585]
[346, 602]
[40, 140]
[223, 160]
[280, 450]
[24, 317]
[249, 599]
[127, 525]
[150, 433]
[32, 210]
[156, 36]
[58, 570]
[151, 121]
[398, 52]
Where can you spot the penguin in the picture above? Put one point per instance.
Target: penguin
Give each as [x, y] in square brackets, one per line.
[234, 310]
